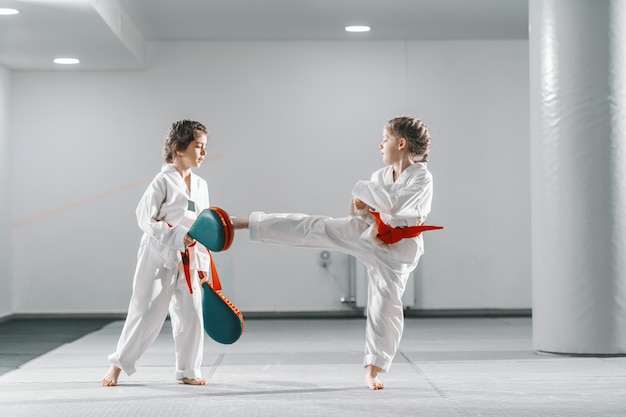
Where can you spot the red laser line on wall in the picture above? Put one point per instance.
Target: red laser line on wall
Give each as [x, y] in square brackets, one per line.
[79, 203]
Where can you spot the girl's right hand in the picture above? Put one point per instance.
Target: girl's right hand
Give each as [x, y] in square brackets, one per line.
[358, 204]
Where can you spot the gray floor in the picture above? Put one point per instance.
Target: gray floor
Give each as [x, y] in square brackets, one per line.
[24, 339]
[445, 367]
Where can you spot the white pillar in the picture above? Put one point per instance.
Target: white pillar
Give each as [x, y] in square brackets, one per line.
[578, 180]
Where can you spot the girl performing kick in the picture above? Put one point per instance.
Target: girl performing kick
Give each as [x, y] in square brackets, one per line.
[383, 231]
[167, 209]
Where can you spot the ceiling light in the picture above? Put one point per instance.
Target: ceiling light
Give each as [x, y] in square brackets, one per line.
[6, 12]
[66, 61]
[357, 28]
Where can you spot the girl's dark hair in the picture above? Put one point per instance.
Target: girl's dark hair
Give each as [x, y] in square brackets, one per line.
[181, 134]
[414, 131]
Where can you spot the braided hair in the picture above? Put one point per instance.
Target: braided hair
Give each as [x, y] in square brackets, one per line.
[414, 131]
[181, 134]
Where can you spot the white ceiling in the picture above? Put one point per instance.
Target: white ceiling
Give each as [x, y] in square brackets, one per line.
[112, 34]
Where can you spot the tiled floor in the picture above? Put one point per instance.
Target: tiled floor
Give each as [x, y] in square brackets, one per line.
[445, 367]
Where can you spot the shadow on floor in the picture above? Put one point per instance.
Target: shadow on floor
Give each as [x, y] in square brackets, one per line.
[24, 339]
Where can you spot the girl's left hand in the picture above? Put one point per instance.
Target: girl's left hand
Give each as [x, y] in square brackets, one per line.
[188, 240]
[204, 277]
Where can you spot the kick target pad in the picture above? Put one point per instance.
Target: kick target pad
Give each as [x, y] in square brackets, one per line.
[213, 229]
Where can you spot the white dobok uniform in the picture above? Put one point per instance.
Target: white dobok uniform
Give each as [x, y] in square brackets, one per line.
[165, 213]
[404, 202]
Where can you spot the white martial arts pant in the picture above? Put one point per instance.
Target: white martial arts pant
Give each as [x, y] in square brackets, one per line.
[387, 276]
[157, 290]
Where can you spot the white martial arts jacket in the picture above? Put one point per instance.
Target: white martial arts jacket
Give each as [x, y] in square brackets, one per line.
[166, 212]
[404, 202]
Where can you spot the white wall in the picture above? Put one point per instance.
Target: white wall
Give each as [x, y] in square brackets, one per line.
[293, 126]
[5, 205]
[474, 95]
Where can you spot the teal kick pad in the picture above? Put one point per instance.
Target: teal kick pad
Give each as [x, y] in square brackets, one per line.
[208, 229]
[220, 322]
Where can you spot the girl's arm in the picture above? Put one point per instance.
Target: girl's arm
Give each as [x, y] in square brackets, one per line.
[147, 213]
[395, 200]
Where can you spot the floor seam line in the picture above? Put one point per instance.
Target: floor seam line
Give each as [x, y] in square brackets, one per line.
[218, 361]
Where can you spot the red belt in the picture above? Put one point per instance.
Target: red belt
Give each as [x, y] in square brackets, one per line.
[391, 235]
[217, 285]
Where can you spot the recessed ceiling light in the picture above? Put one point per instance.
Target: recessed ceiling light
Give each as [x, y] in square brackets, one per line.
[66, 61]
[357, 28]
[6, 12]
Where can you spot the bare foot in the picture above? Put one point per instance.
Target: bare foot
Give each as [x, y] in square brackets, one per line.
[371, 377]
[240, 223]
[193, 381]
[110, 378]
